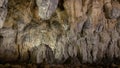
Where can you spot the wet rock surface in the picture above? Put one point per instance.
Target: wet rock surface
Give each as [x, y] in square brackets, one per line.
[77, 32]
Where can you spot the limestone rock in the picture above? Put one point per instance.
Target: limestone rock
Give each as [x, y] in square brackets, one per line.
[69, 31]
[46, 8]
[8, 47]
[3, 12]
[42, 53]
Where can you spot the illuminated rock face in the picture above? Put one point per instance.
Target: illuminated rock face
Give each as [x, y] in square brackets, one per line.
[3, 11]
[77, 31]
[8, 48]
[46, 8]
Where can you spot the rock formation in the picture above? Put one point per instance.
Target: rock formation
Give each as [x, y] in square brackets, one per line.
[3, 11]
[46, 8]
[75, 31]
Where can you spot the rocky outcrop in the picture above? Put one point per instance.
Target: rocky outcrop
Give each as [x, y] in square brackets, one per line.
[75, 31]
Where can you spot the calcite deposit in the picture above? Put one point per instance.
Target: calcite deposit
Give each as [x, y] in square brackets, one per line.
[46, 8]
[3, 11]
[68, 31]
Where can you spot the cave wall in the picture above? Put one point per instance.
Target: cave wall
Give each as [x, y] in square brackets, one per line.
[77, 31]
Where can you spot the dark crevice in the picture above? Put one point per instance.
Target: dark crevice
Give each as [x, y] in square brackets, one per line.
[60, 5]
[1, 39]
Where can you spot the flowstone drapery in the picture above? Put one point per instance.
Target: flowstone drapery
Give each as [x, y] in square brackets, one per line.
[56, 32]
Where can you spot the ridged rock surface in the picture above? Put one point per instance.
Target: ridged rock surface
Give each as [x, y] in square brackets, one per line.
[78, 31]
[3, 11]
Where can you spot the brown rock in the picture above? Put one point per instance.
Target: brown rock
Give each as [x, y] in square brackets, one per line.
[3, 12]
[8, 47]
[79, 31]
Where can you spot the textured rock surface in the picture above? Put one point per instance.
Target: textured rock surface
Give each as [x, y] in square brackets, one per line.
[46, 8]
[3, 11]
[56, 66]
[8, 47]
[78, 31]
